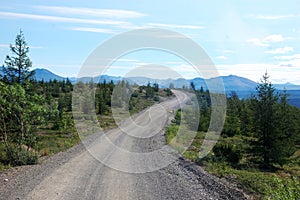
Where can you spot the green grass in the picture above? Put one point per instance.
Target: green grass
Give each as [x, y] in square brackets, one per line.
[263, 185]
[106, 121]
[283, 184]
[48, 143]
[52, 142]
[140, 102]
[4, 166]
[192, 152]
[171, 132]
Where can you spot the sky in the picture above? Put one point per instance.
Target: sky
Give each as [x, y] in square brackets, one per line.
[244, 38]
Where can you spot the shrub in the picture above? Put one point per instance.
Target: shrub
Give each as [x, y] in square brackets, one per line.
[266, 185]
[156, 98]
[21, 156]
[228, 152]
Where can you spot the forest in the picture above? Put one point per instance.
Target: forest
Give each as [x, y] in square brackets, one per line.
[259, 146]
[36, 116]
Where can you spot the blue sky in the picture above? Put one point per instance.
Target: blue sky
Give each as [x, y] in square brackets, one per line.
[243, 38]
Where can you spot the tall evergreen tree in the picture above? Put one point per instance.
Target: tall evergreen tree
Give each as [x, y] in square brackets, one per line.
[265, 118]
[275, 142]
[287, 130]
[17, 67]
[23, 111]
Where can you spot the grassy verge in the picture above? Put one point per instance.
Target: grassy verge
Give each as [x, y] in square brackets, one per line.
[140, 103]
[139, 100]
[262, 185]
[106, 121]
[51, 141]
[282, 183]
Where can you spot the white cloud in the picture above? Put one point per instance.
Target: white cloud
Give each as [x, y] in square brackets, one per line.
[265, 42]
[4, 45]
[60, 19]
[175, 26]
[292, 61]
[108, 13]
[296, 56]
[279, 73]
[281, 50]
[274, 17]
[222, 57]
[127, 60]
[273, 38]
[257, 42]
[93, 30]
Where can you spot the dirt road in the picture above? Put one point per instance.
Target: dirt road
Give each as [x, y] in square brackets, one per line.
[115, 165]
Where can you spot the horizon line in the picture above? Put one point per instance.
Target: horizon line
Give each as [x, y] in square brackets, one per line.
[119, 76]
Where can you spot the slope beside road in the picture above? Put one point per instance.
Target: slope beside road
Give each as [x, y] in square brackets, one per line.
[129, 162]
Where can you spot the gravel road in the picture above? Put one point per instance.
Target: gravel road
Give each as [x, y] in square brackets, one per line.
[115, 166]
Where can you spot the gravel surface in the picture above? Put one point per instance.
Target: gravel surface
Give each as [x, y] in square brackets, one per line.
[78, 173]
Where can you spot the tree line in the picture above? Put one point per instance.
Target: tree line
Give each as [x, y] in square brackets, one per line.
[263, 129]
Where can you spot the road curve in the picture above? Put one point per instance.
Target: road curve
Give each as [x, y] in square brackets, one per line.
[120, 164]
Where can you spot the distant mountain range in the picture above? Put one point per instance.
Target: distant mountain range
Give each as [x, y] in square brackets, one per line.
[231, 82]
[242, 86]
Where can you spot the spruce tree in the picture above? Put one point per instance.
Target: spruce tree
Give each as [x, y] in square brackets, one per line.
[17, 67]
[22, 111]
[272, 118]
[264, 103]
[287, 130]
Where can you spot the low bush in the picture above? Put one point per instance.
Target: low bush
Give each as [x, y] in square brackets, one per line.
[267, 185]
[21, 156]
[229, 152]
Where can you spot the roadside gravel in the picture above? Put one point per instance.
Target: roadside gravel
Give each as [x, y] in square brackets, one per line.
[180, 180]
[76, 174]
